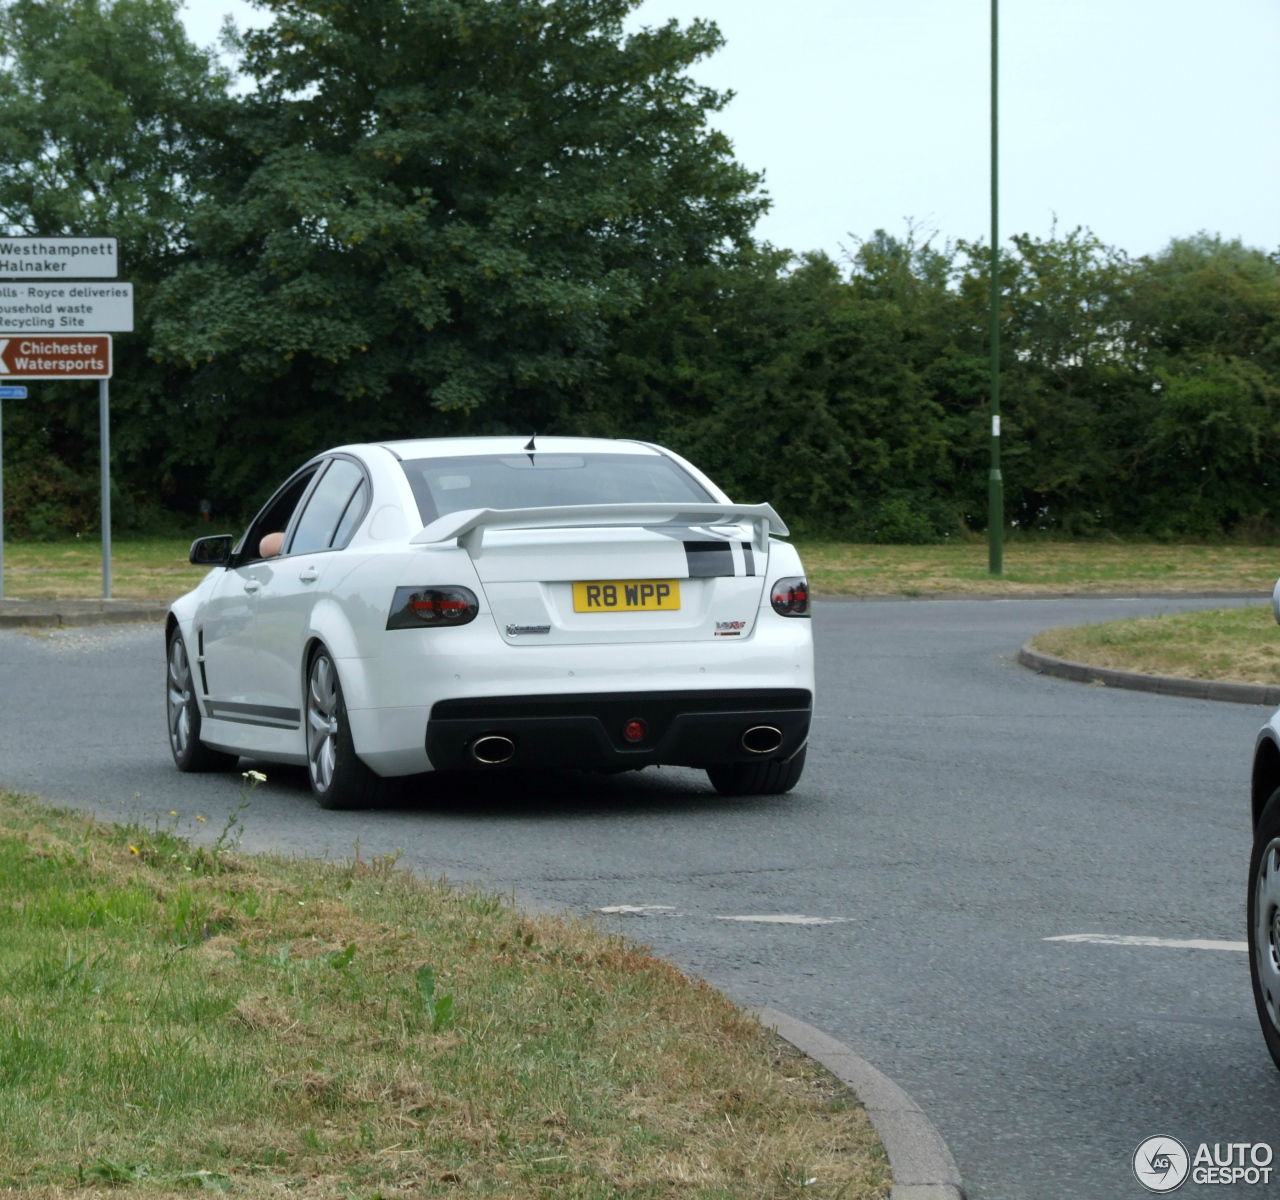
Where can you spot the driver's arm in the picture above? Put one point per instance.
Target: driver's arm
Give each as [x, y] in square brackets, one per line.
[271, 545]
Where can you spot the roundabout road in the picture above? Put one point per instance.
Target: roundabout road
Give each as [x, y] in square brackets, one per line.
[957, 811]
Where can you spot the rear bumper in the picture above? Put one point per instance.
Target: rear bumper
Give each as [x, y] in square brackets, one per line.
[692, 729]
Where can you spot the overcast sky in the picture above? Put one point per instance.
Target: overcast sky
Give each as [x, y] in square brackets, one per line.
[1142, 119]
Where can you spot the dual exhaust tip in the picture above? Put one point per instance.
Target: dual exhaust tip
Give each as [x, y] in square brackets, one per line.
[493, 749]
[761, 739]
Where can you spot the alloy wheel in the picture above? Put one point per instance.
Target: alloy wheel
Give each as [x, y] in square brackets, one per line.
[322, 722]
[1266, 931]
[179, 696]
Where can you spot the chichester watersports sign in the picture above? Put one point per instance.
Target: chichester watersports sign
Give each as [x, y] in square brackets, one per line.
[60, 258]
[82, 357]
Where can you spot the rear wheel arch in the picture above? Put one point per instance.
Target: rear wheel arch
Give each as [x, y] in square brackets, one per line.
[339, 777]
[314, 644]
[1266, 776]
[349, 673]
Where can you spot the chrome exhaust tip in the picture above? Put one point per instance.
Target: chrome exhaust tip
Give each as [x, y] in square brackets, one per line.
[492, 749]
[762, 739]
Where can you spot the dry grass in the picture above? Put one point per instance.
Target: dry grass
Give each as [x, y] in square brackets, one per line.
[839, 568]
[1241, 645]
[171, 1018]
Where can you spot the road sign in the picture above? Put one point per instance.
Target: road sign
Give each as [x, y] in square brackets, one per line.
[59, 258]
[13, 393]
[44, 356]
[66, 307]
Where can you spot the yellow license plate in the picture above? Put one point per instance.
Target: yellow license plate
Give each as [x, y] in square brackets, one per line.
[627, 595]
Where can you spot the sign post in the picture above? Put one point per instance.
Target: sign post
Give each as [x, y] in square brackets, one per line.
[104, 452]
[53, 315]
[82, 356]
[6, 393]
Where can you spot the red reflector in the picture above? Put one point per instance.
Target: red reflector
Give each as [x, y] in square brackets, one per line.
[634, 731]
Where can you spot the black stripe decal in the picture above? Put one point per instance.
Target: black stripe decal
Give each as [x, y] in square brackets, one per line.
[748, 558]
[708, 559]
[252, 721]
[266, 714]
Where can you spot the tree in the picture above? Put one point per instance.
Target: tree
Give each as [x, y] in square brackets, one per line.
[103, 104]
[1204, 322]
[429, 212]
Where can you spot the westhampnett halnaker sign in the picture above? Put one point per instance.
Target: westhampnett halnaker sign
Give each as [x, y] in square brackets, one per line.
[59, 258]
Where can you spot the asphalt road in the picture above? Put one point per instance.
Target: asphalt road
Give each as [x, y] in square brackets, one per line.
[957, 810]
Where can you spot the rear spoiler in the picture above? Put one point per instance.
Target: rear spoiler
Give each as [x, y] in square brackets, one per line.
[468, 526]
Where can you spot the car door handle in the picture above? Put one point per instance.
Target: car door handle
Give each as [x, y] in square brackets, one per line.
[310, 575]
[251, 585]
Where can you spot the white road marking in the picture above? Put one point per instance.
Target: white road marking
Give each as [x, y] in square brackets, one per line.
[636, 908]
[788, 919]
[1117, 939]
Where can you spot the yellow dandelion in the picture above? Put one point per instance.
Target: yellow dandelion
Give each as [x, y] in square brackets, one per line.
[201, 819]
[133, 849]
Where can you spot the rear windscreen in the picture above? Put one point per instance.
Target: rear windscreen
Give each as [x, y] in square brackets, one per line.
[446, 485]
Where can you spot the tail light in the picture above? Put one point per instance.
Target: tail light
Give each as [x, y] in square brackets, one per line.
[413, 607]
[790, 597]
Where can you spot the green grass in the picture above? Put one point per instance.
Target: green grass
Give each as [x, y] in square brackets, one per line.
[143, 569]
[174, 1017]
[1237, 644]
[157, 568]
[1034, 566]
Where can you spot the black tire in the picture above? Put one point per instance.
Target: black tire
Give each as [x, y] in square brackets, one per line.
[1264, 923]
[758, 779]
[338, 778]
[182, 707]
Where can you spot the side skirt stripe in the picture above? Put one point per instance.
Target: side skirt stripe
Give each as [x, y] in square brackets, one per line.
[254, 714]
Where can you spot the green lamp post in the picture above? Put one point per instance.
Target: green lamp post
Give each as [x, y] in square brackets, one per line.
[995, 482]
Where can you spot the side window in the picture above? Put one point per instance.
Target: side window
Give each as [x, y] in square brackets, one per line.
[329, 502]
[356, 508]
[275, 518]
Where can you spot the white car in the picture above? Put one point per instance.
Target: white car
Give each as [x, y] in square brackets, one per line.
[491, 604]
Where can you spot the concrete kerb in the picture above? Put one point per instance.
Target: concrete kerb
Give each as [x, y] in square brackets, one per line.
[1164, 685]
[62, 614]
[922, 1166]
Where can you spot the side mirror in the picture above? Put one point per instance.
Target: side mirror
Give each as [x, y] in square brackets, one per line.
[212, 551]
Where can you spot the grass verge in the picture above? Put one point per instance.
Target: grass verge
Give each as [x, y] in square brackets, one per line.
[175, 1017]
[146, 569]
[157, 568]
[1030, 567]
[1241, 645]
